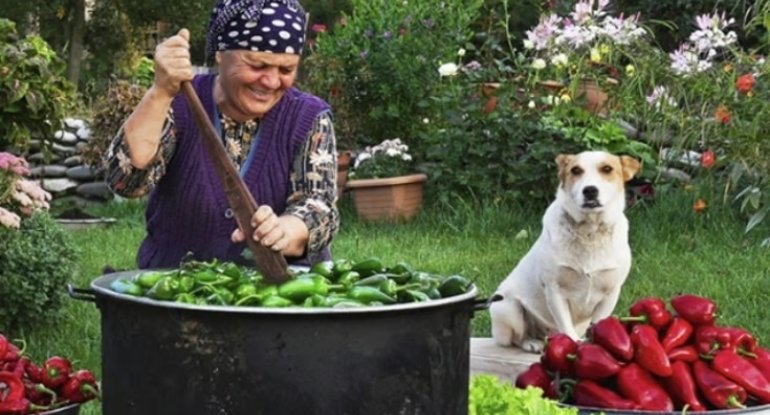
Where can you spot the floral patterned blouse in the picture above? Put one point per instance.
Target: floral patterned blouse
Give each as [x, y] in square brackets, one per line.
[313, 177]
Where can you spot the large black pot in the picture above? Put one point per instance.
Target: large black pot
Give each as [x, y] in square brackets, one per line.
[168, 358]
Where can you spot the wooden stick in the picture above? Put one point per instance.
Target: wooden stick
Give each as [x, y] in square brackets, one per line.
[271, 264]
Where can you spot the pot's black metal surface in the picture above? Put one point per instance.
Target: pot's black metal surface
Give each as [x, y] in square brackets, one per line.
[173, 358]
[64, 410]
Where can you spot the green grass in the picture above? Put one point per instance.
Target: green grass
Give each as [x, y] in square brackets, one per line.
[674, 251]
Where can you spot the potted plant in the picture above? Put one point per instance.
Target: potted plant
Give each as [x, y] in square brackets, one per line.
[385, 184]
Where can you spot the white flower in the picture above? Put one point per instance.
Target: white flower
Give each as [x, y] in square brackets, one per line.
[531, 105]
[528, 44]
[448, 69]
[560, 60]
[406, 157]
[426, 121]
[392, 152]
[9, 219]
[461, 52]
[321, 157]
[361, 157]
[538, 63]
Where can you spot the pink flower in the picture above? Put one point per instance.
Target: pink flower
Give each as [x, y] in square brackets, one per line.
[318, 28]
[15, 165]
[9, 219]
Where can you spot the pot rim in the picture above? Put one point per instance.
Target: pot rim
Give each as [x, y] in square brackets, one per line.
[100, 286]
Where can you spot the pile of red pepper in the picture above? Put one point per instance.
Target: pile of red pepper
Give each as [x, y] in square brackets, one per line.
[30, 388]
[656, 359]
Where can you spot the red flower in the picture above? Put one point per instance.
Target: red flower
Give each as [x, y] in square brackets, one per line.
[722, 114]
[699, 206]
[708, 159]
[745, 83]
[318, 28]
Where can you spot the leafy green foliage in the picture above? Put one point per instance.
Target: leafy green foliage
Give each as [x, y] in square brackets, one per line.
[491, 396]
[33, 89]
[35, 263]
[377, 67]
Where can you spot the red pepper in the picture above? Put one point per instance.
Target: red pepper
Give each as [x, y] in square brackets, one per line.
[686, 354]
[709, 339]
[593, 362]
[13, 353]
[80, 387]
[677, 334]
[11, 387]
[738, 369]
[762, 361]
[651, 311]
[21, 367]
[20, 407]
[717, 389]
[681, 386]
[611, 334]
[649, 352]
[555, 358]
[741, 340]
[697, 310]
[535, 376]
[55, 371]
[3, 346]
[38, 394]
[638, 385]
[590, 394]
[34, 372]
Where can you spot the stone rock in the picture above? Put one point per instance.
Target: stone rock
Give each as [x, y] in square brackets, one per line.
[73, 161]
[49, 170]
[59, 185]
[84, 133]
[676, 174]
[64, 150]
[39, 158]
[74, 200]
[81, 145]
[65, 137]
[83, 173]
[630, 131]
[74, 123]
[94, 189]
[35, 145]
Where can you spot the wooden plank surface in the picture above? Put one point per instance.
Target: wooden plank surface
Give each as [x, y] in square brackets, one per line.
[504, 362]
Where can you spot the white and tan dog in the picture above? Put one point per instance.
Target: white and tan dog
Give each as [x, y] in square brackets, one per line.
[573, 273]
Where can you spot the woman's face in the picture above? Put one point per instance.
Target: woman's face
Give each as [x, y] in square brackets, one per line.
[251, 83]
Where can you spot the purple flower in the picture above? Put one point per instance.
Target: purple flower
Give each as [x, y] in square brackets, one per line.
[364, 54]
[387, 35]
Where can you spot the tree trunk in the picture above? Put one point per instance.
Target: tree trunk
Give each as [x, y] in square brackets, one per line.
[77, 31]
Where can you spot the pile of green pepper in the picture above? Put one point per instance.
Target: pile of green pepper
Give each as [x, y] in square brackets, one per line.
[339, 284]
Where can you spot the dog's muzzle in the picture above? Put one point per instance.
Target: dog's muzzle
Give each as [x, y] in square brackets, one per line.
[591, 197]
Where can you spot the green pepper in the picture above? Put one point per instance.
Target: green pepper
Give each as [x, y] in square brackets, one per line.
[232, 270]
[348, 303]
[372, 280]
[186, 284]
[244, 290]
[186, 298]
[341, 266]
[276, 301]
[268, 291]
[433, 293]
[402, 278]
[368, 294]
[426, 280]
[401, 268]
[206, 276]
[348, 279]
[221, 297]
[164, 289]
[368, 267]
[323, 268]
[453, 285]
[415, 296]
[126, 286]
[147, 279]
[299, 289]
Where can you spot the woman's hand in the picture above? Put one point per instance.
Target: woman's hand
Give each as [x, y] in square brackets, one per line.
[172, 63]
[285, 234]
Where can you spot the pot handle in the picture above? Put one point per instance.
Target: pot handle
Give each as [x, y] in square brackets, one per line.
[83, 294]
[484, 303]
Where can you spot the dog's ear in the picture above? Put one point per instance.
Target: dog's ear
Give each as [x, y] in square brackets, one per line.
[562, 162]
[631, 166]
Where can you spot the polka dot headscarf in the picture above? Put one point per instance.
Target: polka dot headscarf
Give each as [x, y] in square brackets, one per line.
[276, 26]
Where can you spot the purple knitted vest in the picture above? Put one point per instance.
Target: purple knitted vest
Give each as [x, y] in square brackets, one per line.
[188, 210]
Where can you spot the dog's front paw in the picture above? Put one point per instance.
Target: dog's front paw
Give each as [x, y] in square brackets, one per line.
[532, 345]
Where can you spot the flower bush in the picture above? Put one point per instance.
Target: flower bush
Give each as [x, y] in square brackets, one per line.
[390, 158]
[18, 196]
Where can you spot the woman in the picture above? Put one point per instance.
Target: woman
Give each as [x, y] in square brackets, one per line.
[281, 139]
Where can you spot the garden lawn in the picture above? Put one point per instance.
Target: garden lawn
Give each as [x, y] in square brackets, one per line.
[674, 251]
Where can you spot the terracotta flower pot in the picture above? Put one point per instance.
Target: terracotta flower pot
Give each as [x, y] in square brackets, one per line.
[343, 164]
[391, 199]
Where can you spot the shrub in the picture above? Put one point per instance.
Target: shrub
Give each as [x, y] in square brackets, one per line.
[34, 92]
[35, 263]
[378, 66]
